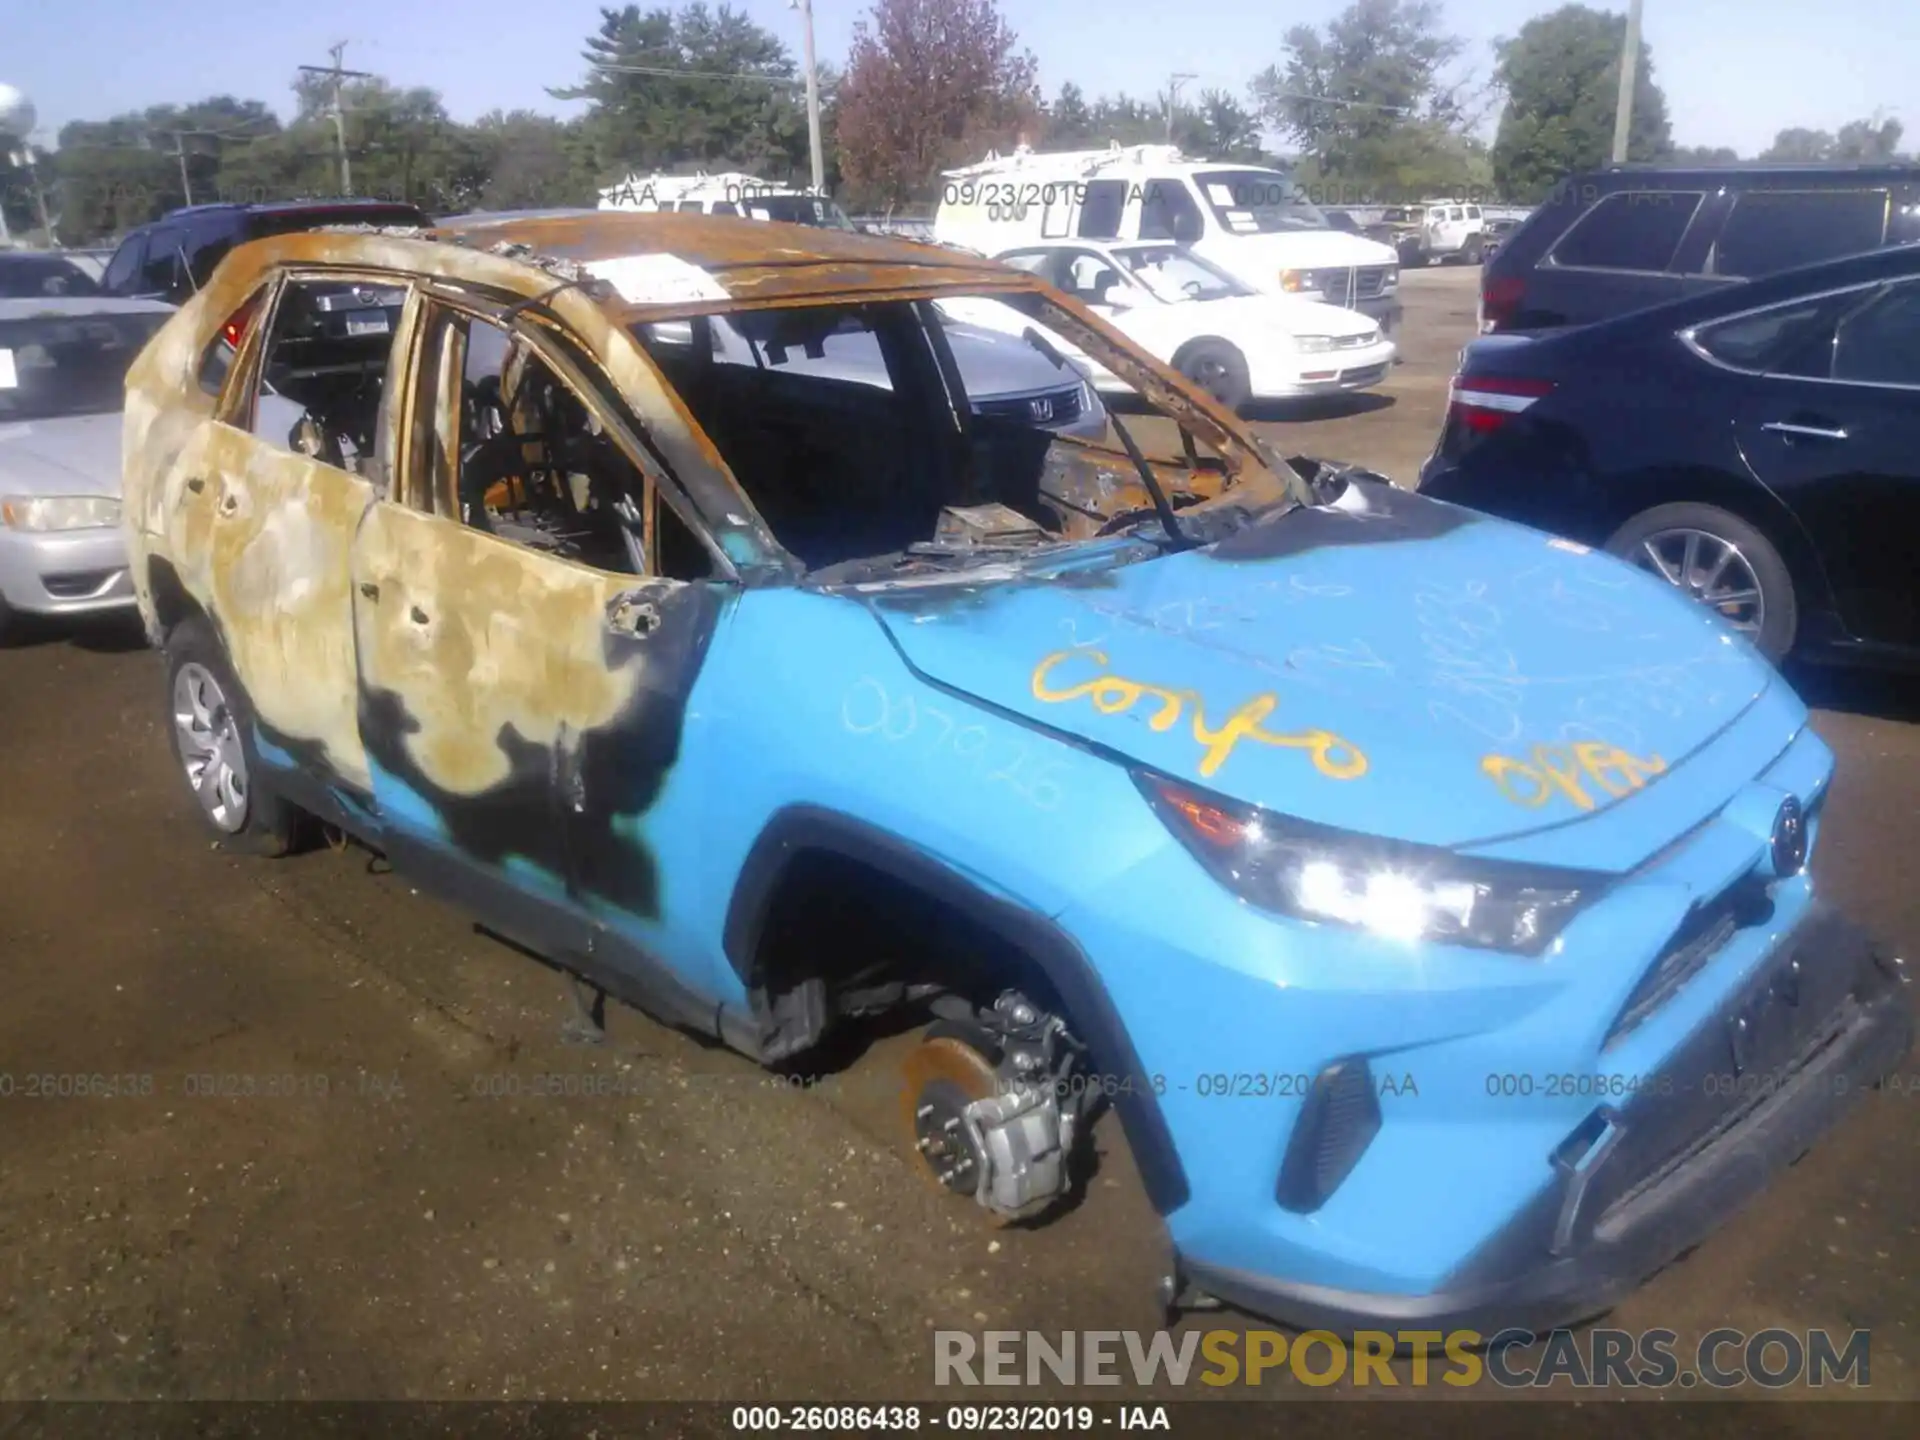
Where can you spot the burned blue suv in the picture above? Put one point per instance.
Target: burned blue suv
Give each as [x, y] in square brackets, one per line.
[1428, 896]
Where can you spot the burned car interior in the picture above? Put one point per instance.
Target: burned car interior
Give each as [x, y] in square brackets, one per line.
[847, 423]
[892, 461]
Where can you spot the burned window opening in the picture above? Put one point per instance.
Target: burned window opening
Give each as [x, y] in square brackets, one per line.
[329, 356]
[533, 462]
[894, 431]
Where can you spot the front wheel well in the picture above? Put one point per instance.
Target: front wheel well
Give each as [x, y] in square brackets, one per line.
[833, 917]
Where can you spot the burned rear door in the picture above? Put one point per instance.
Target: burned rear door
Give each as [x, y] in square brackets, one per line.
[258, 511]
[523, 678]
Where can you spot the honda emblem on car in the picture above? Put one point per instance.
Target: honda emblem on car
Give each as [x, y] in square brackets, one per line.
[1041, 410]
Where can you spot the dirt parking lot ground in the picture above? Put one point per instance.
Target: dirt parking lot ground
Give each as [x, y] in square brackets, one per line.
[405, 1217]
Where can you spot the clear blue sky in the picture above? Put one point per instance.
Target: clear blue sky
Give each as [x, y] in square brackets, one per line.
[1735, 71]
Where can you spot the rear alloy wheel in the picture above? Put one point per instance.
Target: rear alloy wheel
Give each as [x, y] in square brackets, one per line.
[210, 726]
[1220, 370]
[1721, 561]
[1474, 251]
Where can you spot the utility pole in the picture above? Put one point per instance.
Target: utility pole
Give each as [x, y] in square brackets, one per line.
[180, 154]
[339, 114]
[805, 7]
[1174, 82]
[1629, 64]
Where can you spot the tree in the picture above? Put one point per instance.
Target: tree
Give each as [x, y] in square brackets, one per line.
[1369, 100]
[1219, 128]
[1070, 120]
[1867, 141]
[532, 162]
[108, 176]
[931, 84]
[1859, 142]
[650, 121]
[401, 146]
[1561, 74]
[1705, 155]
[1797, 146]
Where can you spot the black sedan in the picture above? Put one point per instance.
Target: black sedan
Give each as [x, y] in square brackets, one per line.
[1758, 447]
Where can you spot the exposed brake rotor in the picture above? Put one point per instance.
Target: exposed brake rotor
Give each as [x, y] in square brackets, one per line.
[940, 1078]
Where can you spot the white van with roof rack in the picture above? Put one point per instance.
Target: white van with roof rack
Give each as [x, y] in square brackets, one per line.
[1252, 221]
[745, 196]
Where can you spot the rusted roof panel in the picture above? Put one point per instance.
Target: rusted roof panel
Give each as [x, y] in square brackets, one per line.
[755, 260]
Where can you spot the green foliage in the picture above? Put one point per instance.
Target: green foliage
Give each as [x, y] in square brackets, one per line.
[648, 122]
[1374, 101]
[1705, 155]
[1561, 74]
[1859, 142]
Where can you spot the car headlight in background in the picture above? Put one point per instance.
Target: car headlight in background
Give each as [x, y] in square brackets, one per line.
[1329, 283]
[1392, 281]
[59, 512]
[1395, 890]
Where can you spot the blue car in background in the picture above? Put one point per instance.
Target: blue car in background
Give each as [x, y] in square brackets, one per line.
[1427, 895]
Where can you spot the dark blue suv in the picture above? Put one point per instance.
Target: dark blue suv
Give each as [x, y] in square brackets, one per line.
[1633, 236]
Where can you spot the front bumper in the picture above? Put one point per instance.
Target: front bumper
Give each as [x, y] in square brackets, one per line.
[72, 572]
[1742, 1098]
[1330, 373]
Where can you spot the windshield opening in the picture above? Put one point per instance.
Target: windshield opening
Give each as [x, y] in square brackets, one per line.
[1175, 274]
[1259, 202]
[58, 365]
[885, 439]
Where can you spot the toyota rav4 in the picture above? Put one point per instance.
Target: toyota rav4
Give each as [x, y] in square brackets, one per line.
[1427, 896]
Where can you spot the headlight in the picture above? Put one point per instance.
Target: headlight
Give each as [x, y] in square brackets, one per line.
[1392, 282]
[1314, 282]
[59, 512]
[1313, 344]
[1396, 890]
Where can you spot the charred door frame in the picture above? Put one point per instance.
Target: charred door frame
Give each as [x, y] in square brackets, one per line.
[575, 784]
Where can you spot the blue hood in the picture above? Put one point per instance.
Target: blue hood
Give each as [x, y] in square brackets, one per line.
[1389, 665]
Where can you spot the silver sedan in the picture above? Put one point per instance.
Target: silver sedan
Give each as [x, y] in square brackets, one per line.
[63, 364]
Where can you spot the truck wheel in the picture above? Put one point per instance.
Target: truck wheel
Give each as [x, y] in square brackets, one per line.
[1474, 251]
[1219, 369]
[1721, 561]
[211, 726]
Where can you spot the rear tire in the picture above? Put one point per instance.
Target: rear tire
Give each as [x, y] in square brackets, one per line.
[1474, 251]
[210, 726]
[1723, 562]
[1219, 369]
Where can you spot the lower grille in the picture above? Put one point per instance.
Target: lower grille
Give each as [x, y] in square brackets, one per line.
[80, 584]
[1367, 375]
[1701, 936]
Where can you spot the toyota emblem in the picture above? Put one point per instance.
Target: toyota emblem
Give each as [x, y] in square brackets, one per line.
[1789, 838]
